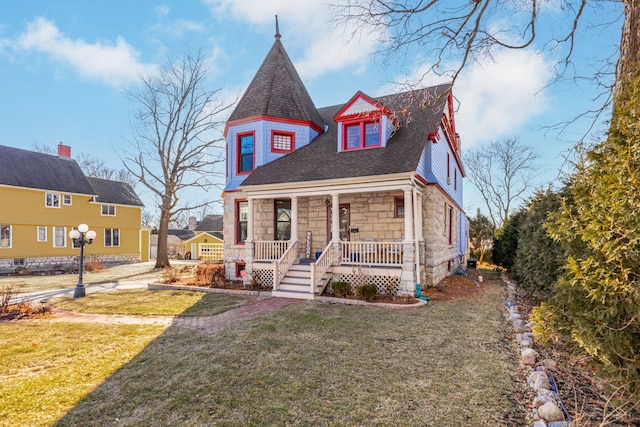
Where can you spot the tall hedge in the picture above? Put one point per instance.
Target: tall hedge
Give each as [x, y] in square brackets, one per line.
[505, 243]
[597, 300]
[538, 258]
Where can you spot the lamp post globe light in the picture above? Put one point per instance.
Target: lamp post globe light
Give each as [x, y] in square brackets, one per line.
[81, 236]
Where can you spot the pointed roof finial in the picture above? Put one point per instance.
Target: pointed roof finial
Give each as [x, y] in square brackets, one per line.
[277, 28]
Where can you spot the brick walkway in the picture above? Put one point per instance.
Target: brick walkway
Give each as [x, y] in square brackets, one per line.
[207, 324]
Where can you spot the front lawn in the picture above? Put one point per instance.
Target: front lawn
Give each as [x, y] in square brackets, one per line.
[143, 302]
[307, 364]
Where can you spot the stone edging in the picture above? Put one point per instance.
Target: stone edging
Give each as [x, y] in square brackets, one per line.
[328, 300]
[347, 301]
[163, 287]
[546, 406]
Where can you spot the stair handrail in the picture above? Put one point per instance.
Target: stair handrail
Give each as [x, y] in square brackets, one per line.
[283, 264]
[320, 267]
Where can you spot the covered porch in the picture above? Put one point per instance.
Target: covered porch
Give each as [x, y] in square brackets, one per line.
[361, 234]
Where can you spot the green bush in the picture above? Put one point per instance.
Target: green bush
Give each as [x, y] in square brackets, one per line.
[367, 291]
[341, 289]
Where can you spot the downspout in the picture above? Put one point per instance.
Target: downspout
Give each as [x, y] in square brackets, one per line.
[416, 224]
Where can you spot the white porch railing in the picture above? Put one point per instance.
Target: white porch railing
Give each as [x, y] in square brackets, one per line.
[320, 267]
[270, 250]
[283, 264]
[210, 251]
[384, 254]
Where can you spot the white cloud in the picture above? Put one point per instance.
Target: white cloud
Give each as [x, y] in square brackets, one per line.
[306, 26]
[498, 98]
[116, 64]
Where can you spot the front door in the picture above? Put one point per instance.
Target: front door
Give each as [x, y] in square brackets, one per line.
[344, 222]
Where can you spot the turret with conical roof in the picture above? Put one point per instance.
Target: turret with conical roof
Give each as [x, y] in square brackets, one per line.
[274, 117]
[277, 91]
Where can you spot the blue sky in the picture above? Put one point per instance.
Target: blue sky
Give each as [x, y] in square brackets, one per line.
[64, 66]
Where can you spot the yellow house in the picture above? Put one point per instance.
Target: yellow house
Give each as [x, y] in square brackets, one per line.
[45, 196]
[204, 245]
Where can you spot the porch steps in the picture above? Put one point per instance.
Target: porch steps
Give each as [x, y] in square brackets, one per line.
[296, 283]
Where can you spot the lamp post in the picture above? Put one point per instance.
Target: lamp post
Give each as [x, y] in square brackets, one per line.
[82, 235]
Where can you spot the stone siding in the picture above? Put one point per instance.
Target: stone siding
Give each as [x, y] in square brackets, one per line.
[440, 258]
[7, 265]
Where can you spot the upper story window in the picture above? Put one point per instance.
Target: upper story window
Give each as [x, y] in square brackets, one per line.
[108, 210]
[52, 200]
[66, 199]
[246, 152]
[365, 134]
[282, 142]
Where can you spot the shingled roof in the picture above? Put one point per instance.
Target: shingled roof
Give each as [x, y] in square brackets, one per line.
[418, 113]
[115, 192]
[28, 169]
[277, 91]
[211, 223]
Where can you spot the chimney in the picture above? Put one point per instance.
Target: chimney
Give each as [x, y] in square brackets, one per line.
[193, 223]
[64, 150]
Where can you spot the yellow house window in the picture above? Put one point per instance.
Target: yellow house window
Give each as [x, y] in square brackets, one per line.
[42, 233]
[112, 237]
[5, 236]
[59, 237]
[108, 210]
[52, 200]
[66, 199]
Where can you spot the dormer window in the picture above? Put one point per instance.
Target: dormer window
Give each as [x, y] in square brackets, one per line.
[364, 134]
[246, 152]
[282, 142]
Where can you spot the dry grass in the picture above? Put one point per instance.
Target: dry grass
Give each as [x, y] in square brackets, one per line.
[308, 364]
[119, 273]
[47, 368]
[142, 302]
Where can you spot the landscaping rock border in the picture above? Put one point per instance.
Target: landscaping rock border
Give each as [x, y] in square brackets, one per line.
[267, 294]
[547, 409]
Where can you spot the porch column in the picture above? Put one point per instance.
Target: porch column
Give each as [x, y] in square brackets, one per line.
[294, 219]
[249, 249]
[335, 218]
[408, 274]
[420, 217]
[408, 216]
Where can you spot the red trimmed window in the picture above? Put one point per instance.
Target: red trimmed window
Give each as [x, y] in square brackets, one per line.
[399, 207]
[360, 135]
[242, 218]
[282, 142]
[246, 152]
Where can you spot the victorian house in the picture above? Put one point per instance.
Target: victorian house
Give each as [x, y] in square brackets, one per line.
[367, 191]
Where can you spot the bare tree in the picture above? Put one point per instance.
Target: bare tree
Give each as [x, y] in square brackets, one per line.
[503, 173]
[96, 168]
[448, 35]
[177, 137]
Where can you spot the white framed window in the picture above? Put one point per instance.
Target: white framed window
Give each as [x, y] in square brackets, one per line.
[59, 237]
[66, 199]
[52, 200]
[5, 236]
[108, 210]
[112, 237]
[42, 233]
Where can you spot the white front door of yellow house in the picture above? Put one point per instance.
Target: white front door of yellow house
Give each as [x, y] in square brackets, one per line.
[344, 222]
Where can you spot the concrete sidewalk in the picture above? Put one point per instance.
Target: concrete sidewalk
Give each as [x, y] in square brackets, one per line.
[40, 296]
